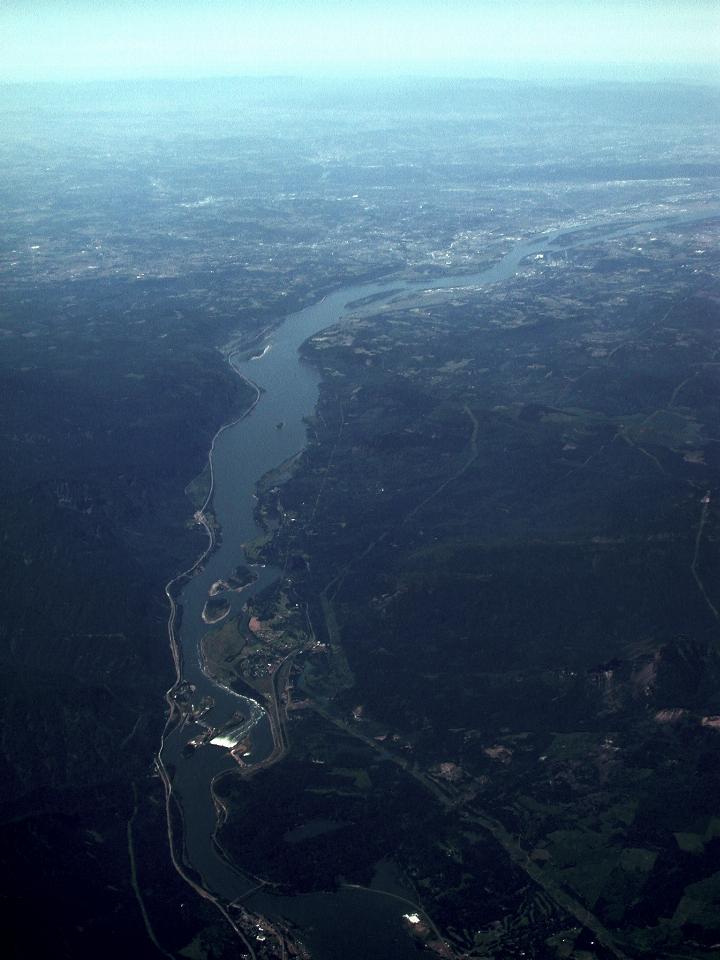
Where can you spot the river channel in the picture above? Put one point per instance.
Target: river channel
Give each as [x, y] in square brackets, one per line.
[242, 454]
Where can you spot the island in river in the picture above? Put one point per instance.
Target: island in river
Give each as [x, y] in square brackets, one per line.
[215, 609]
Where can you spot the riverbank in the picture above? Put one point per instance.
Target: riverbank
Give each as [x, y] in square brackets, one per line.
[239, 459]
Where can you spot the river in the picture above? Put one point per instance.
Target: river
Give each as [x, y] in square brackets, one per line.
[242, 454]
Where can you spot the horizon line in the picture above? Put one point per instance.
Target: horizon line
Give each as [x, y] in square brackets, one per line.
[579, 78]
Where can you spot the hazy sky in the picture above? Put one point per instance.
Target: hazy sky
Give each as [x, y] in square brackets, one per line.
[89, 39]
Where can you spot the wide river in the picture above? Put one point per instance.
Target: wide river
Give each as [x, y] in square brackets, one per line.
[242, 454]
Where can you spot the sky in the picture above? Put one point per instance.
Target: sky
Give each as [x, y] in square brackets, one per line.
[527, 39]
